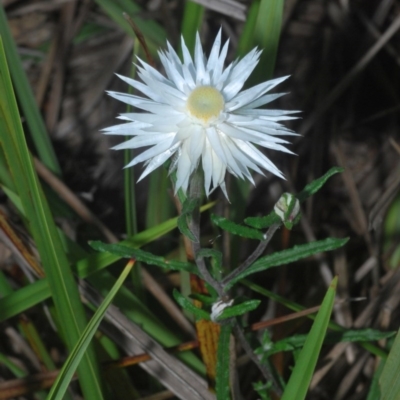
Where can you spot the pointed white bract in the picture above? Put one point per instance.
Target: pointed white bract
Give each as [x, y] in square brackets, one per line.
[198, 114]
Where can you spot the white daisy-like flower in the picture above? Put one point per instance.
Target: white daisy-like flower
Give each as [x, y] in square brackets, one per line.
[199, 113]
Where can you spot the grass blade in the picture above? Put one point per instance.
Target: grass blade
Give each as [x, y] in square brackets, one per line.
[302, 373]
[389, 380]
[60, 386]
[59, 275]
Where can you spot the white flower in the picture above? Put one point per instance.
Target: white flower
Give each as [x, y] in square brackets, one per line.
[198, 112]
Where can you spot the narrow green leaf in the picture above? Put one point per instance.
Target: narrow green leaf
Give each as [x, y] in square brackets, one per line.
[302, 373]
[316, 185]
[374, 390]
[290, 255]
[61, 281]
[223, 363]
[297, 341]
[237, 229]
[389, 380]
[246, 40]
[205, 299]
[239, 309]
[150, 29]
[60, 386]
[267, 33]
[188, 305]
[143, 256]
[359, 335]
[191, 22]
[263, 222]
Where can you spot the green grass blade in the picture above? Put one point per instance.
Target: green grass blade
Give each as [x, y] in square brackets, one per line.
[191, 23]
[267, 32]
[27, 100]
[246, 40]
[67, 371]
[302, 373]
[389, 381]
[150, 29]
[59, 275]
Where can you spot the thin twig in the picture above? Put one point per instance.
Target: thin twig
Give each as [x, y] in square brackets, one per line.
[253, 257]
[249, 351]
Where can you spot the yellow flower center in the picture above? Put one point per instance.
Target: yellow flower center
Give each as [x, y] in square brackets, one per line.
[205, 103]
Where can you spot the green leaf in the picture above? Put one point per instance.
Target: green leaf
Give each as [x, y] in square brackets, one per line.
[374, 390]
[63, 287]
[142, 256]
[60, 386]
[191, 23]
[188, 305]
[150, 29]
[223, 363]
[389, 381]
[263, 222]
[289, 255]
[303, 371]
[237, 229]
[205, 299]
[316, 185]
[297, 341]
[239, 309]
[188, 207]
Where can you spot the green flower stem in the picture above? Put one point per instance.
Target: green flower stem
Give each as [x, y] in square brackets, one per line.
[195, 192]
[253, 257]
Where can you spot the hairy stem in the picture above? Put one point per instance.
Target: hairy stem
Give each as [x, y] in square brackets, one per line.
[253, 257]
[195, 192]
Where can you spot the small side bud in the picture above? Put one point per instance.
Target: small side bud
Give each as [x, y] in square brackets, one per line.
[218, 307]
[288, 210]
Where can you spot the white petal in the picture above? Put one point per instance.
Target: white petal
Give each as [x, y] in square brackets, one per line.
[202, 77]
[196, 143]
[253, 93]
[214, 54]
[141, 141]
[219, 66]
[130, 128]
[260, 158]
[263, 100]
[152, 152]
[156, 161]
[239, 74]
[183, 171]
[214, 139]
[141, 87]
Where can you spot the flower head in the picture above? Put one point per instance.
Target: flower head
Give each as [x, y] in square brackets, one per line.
[199, 113]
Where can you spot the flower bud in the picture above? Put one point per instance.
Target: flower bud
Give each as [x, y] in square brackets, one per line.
[288, 209]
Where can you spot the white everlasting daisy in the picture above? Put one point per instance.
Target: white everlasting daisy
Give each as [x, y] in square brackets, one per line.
[199, 113]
